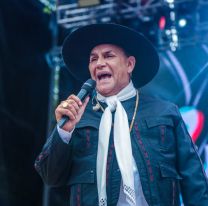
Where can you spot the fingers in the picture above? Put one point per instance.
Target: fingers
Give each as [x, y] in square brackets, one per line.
[62, 111]
[72, 103]
[84, 106]
[71, 107]
[75, 98]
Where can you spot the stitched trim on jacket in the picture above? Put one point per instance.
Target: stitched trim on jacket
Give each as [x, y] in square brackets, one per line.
[145, 154]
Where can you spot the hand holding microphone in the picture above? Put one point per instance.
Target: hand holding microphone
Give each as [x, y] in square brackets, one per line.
[70, 111]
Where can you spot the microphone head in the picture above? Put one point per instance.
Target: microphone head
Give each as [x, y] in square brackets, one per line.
[89, 85]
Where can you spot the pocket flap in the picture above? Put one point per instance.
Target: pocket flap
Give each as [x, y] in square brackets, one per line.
[86, 177]
[90, 118]
[156, 121]
[167, 171]
[88, 123]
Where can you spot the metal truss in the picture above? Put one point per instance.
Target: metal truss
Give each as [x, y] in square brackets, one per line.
[71, 15]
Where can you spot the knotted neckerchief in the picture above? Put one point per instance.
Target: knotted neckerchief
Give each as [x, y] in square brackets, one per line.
[122, 144]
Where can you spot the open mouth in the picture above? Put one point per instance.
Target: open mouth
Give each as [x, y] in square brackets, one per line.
[104, 75]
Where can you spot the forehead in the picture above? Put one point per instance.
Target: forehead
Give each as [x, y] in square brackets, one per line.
[106, 48]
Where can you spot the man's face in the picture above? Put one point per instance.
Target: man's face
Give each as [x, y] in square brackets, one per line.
[110, 68]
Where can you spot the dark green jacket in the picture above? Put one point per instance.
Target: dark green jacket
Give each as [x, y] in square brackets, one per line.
[163, 150]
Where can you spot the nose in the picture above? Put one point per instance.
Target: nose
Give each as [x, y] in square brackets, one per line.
[100, 63]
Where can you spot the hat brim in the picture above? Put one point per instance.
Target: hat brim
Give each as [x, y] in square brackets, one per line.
[78, 45]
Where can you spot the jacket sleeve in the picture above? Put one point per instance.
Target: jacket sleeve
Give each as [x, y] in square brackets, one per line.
[54, 162]
[194, 184]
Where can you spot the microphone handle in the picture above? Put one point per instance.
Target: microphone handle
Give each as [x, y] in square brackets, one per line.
[81, 95]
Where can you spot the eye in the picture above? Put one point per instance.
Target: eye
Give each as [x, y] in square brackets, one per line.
[92, 59]
[109, 55]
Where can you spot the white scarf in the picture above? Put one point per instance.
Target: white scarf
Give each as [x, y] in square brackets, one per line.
[122, 143]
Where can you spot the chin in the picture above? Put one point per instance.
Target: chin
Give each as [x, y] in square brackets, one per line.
[107, 91]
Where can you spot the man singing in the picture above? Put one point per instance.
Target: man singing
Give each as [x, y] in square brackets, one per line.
[120, 147]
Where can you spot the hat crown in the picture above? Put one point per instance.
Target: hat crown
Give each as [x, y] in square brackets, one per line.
[78, 45]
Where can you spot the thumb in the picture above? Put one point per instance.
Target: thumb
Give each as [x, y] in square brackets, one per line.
[84, 105]
[86, 101]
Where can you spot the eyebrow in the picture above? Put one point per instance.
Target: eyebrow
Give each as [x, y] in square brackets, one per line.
[108, 51]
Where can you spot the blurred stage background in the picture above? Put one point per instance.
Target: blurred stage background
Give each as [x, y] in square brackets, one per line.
[33, 78]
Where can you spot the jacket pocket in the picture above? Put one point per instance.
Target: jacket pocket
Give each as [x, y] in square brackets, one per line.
[83, 189]
[169, 185]
[85, 140]
[156, 121]
[167, 171]
[84, 177]
[159, 132]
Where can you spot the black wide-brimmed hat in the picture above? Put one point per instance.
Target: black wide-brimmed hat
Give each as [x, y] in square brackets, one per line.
[78, 45]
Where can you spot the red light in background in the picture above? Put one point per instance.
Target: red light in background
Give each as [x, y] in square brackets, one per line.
[162, 23]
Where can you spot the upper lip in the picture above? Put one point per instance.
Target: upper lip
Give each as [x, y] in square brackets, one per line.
[100, 73]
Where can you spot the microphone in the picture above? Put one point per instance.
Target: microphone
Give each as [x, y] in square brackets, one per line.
[86, 89]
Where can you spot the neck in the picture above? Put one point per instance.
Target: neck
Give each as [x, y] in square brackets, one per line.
[126, 93]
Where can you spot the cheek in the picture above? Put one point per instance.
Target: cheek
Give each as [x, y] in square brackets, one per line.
[121, 76]
[91, 70]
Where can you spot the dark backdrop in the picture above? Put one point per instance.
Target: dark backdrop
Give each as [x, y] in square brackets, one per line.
[24, 84]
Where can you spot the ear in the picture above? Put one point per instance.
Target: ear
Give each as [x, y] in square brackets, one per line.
[131, 63]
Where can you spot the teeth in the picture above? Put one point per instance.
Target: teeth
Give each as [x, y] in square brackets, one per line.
[104, 76]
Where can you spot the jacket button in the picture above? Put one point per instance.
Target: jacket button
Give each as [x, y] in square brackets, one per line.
[91, 171]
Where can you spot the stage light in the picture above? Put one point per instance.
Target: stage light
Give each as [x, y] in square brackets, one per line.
[50, 5]
[162, 22]
[170, 1]
[182, 22]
